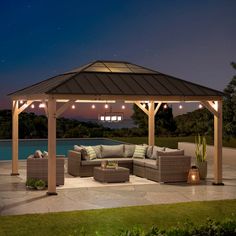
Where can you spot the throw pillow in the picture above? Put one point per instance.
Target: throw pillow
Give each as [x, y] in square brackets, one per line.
[140, 151]
[110, 151]
[82, 150]
[91, 153]
[155, 150]
[98, 150]
[45, 154]
[149, 150]
[38, 154]
[129, 150]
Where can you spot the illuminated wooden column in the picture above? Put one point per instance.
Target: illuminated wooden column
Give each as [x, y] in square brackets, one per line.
[51, 146]
[151, 123]
[216, 108]
[151, 112]
[218, 144]
[15, 137]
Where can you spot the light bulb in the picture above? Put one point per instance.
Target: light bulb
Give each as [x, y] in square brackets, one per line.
[73, 106]
[41, 105]
[93, 106]
[165, 106]
[180, 107]
[21, 102]
[123, 107]
[200, 106]
[32, 106]
[106, 106]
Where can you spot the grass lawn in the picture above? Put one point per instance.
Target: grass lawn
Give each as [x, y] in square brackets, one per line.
[172, 142]
[110, 221]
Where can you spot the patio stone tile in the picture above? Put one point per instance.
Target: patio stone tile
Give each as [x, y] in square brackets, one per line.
[85, 193]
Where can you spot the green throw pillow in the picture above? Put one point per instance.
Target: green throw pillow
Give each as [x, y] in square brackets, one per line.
[90, 152]
[140, 151]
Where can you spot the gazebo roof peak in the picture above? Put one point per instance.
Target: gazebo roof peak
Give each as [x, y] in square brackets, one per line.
[113, 67]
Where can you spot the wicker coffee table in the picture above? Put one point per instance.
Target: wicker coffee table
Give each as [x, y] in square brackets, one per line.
[107, 175]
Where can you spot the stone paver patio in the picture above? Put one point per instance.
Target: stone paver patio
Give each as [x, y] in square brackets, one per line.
[85, 193]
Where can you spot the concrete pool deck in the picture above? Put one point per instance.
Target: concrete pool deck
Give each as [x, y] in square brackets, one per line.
[85, 193]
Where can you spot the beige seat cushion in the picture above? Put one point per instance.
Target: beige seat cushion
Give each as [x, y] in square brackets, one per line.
[151, 163]
[98, 161]
[139, 162]
[110, 151]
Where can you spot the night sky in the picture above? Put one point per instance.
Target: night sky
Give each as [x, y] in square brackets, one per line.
[192, 40]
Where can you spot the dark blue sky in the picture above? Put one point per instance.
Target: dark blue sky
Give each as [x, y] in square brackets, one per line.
[193, 40]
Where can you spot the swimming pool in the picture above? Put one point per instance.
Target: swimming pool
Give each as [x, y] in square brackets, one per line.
[27, 147]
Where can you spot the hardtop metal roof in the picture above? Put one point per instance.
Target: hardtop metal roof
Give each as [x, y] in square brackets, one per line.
[116, 78]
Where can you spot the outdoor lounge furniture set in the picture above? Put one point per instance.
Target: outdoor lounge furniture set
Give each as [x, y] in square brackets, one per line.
[152, 162]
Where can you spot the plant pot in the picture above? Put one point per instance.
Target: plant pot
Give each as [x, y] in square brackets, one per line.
[40, 187]
[202, 166]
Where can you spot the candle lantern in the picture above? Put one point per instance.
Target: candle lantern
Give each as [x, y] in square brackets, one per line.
[193, 175]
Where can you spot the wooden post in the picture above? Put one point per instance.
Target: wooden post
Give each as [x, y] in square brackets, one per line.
[218, 144]
[15, 137]
[151, 124]
[51, 146]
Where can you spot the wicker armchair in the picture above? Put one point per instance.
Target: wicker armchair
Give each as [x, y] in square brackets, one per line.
[37, 168]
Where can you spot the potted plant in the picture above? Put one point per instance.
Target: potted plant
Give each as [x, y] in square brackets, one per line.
[30, 183]
[40, 184]
[201, 154]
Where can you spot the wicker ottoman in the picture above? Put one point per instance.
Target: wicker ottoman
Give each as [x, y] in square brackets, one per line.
[107, 175]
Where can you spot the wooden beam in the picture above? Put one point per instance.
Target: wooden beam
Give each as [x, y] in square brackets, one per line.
[63, 108]
[210, 106]
[136, 97]
[151, 124]
[51, 147]
[218, 144]
[142, 107]
[24, 106]
[157, 108]
[15, 134]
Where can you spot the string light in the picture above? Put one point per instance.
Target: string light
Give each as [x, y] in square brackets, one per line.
[93, 106]
[165, 106]
[123, 107]
[180, 106]
[73, 106]
[106, 106]
[32, 106]
[41, 105]
[200, 106]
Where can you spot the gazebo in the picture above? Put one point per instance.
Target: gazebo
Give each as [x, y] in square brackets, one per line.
[111, 81]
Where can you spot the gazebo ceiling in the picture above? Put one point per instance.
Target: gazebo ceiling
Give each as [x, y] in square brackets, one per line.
[113, 78]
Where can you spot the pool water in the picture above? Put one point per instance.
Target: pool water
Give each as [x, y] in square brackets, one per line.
[27, 147]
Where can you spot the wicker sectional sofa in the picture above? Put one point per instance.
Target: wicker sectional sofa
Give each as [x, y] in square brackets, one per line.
[160, 164]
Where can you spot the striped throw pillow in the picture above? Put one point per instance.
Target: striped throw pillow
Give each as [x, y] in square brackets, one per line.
[140, 151]
[90, 152]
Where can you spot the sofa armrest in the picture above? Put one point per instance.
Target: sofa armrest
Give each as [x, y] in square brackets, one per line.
[173, 168]
[74, 162]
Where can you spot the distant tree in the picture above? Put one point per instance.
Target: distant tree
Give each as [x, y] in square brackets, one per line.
[229, 107]
[5, 124]
[79, 131]
[196, 122]
[164, 121]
